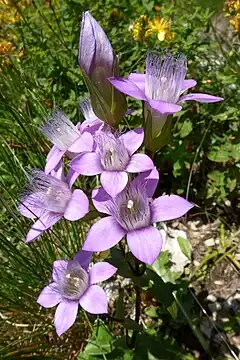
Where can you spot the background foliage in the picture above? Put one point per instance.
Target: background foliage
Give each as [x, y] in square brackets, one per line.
[38, 72]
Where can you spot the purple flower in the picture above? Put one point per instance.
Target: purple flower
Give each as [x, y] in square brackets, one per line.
[132, 213]
[114, 158]
[49, 198]
[162, 84]
[73, 284]
[66, 137]
[98, 62]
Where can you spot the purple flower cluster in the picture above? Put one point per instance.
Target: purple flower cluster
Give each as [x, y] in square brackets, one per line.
[128, 176]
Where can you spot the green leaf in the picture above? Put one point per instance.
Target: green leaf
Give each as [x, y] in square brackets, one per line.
[185, 247]
[101, 341]
[117, 259]
[185, 129]
[218, 155]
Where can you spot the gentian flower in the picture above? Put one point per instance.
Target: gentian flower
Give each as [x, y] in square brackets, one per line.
[113, 158]
[132, 213]
[98, 62]
[49, 198]
[162, 84]
[67, 139]
[74, 284]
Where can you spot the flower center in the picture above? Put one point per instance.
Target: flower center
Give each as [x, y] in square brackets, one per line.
[165, 74]
[74, 282]
[49, 193]
[114, 156]
[131, 208]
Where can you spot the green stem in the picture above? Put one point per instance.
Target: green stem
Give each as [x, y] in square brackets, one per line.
[137, 305]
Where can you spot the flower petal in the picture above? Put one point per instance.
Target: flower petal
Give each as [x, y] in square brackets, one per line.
[145, 244]
[169, 207]
[27, 208]
[114, 181]
[102, 200]
[127, 87]
[138, 79]
[84, 258]
[139, 163]
[77, 207]
[103, 235]
[205, 98]
[49, 296]
[65, 315]
[164, 107]
[87, 164]
[59, 266]
[72, 177]
[54, 157]
[82, 144]
[47, 220]
[188, 84]
[101, 271]
[133, 139]
[150, 181]
[58, 172]
[94, 300]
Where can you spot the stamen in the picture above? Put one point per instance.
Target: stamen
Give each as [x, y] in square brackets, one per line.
[114, 156]
[61, 131]
[131, 208]
[48, 192]
[74, 282]
[164, 76]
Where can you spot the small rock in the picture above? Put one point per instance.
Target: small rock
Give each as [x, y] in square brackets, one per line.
[214, 307]
[211, 298]
[209, 242]
[196, 263]
[218, 282]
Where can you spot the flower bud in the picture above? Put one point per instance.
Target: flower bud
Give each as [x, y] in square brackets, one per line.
[98, 62]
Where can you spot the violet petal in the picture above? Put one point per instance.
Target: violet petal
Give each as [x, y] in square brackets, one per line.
[164, 107]
[59, 266]
[149, 179]
[102, 200]
[82, 144]
[103, 235]
[145, 244]
[139, 163]
[53, 160]
[204, 98]
[127, 87]
[84, 258]
[169, 207]
[65, 315]
[114, 181]
[77, 207]
[94, 300]
[101, 271]
[138, 79]
[47, 220]
[87, 164]
[188, 84]
[49, 296]
[133, 139]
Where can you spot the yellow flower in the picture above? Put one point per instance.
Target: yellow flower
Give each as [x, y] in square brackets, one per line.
[232, 9]
[141, 29]
[5, 47]
[162, 28]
